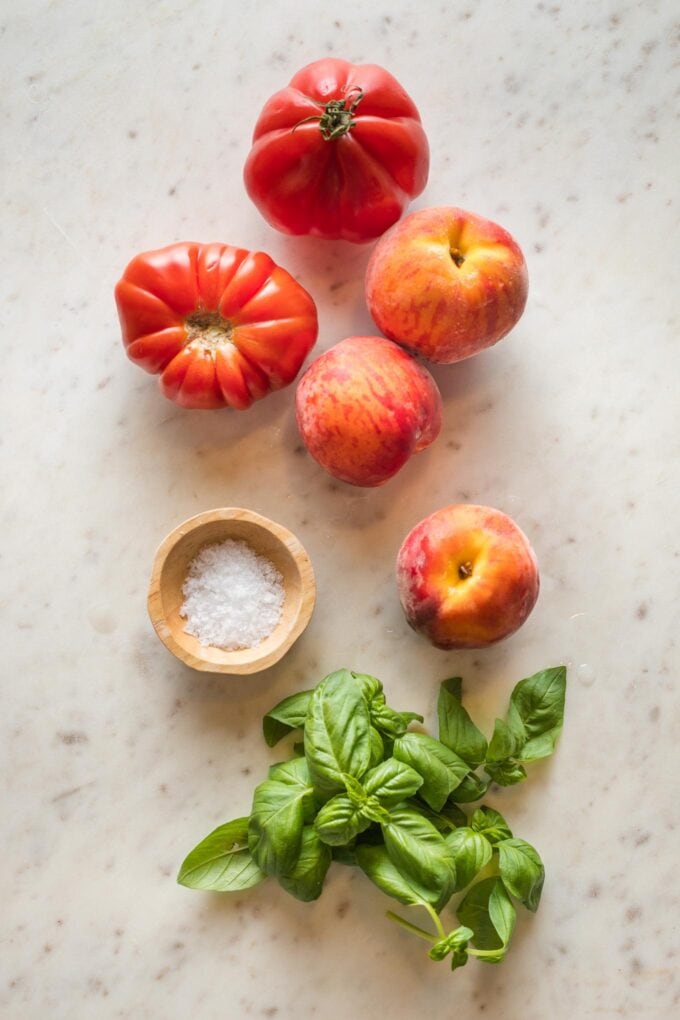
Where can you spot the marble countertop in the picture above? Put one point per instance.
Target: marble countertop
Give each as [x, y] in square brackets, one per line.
[126, 129]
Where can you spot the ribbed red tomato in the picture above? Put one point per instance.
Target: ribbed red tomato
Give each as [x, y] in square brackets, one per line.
[221, 325]
[339, 153]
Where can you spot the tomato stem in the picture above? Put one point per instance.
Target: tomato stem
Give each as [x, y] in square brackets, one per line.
[338, 117]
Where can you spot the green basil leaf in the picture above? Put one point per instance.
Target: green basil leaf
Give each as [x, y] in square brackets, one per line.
[539, 747]
[339, 821]
[488, 910]
[522, 871]
[288, 715]
[279, 813]
[490, 824]
[305, 881]
[456, 728]
[471, 853]
[536, 713]
[376, 863]
[299, 749]
[370, 686]
[504, 743]
[506, 773]
[459, 957]
[502, 913]
[446, 819]
[377, 748]
[392, 782]
[354, 789]
[345, 855]
[455, 943]
[337, 738]
[441, 769]
[472, 788]
[409, 717]
[420, 852]
[293, 773]
[388, 748]
[375, 812]
[221, 862]
[387, 721]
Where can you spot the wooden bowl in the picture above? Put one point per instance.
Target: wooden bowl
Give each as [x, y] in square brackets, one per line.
[267, 538]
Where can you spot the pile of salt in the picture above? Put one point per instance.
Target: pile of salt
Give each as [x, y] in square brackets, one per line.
[233, 598]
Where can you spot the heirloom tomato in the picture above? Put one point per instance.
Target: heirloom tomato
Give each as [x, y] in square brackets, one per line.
[339, 153]
[221, 325]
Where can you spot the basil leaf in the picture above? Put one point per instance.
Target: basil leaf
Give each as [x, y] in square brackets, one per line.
[371, 688]
[522, 871]
[279, 813]
[534, 723]
[390, 723]
[536, 712]
[339, 821]
[488, 910]
[539, 747]
[420, 852]
[387, 721]
[222, 862]
[446, 819]
[392, 782]
[507, 773]
[456, 728]
[374, 811]
[305, 881]
[345, 855]
[409, 717]
[288, 715]
[504, 743]
[376, 863]
[502, 913]
[441, 769]
[377, 748]
[473, 787]
[459, 956]
[337, 738]
[471, 853]
[293, 773]
[455, 943]
[500, 765]
[354, 790]
[490, 824]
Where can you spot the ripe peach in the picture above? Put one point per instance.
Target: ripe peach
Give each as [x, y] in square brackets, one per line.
[467, 577]
[446, 283]
[364, 407]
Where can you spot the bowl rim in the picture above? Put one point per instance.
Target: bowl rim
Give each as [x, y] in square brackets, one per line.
[260, 661]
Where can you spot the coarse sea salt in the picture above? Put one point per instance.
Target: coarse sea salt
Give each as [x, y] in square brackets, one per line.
[233, 598]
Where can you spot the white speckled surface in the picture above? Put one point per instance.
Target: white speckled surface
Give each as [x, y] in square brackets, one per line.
[125, 130]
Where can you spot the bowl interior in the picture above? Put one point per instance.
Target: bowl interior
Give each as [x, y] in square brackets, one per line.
[263, 542]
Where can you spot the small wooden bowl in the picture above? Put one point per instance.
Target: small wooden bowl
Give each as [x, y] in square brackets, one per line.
[170, 567]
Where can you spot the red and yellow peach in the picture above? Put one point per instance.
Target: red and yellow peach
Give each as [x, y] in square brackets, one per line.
[467, 577]
[364, 407]
[446, 283]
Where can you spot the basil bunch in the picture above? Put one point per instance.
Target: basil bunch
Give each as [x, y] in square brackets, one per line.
[367, 791]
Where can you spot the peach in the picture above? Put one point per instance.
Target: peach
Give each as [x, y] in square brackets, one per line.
[446, 283]
[467, 577]
[364, 407]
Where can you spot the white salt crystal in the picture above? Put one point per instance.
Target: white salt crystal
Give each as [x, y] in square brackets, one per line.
[233, 598]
